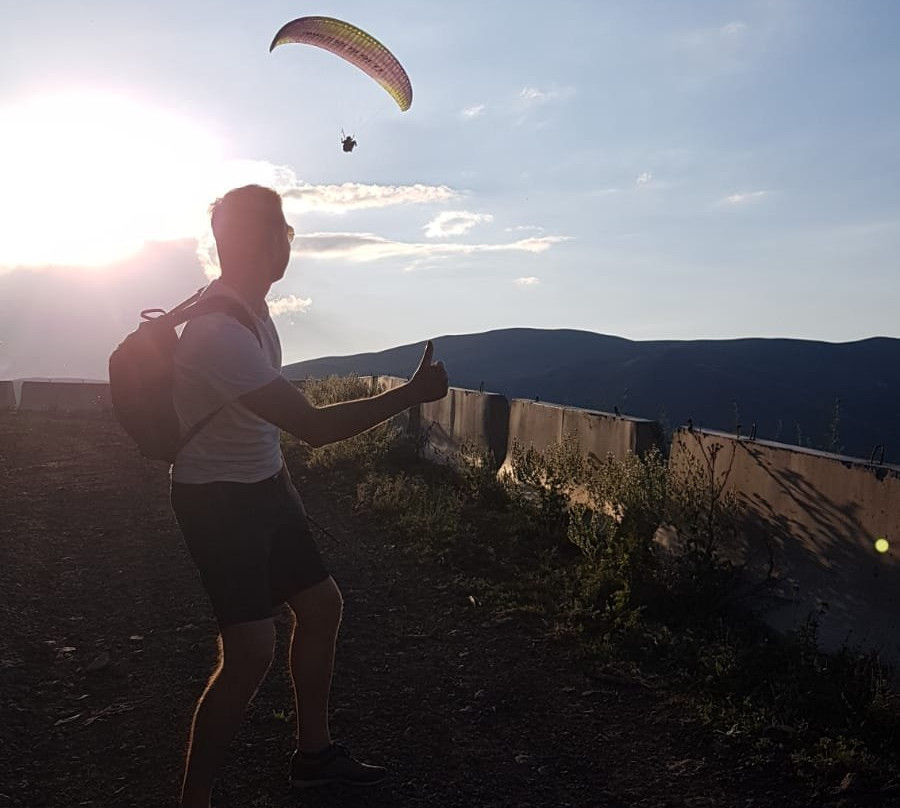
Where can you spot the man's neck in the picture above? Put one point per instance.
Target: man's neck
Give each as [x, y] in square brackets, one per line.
[251, 291]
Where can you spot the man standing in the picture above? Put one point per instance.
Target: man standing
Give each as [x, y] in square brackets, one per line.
[242, 519]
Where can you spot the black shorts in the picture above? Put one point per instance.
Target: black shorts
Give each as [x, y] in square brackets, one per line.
[251, 543]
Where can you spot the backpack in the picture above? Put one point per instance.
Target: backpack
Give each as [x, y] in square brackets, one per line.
[141, 375]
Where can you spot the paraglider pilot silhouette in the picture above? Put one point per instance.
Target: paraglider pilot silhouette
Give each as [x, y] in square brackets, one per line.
[347, 142]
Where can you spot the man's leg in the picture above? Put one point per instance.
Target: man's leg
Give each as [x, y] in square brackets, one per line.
[318, 761]
[317, 613]
[245, 655]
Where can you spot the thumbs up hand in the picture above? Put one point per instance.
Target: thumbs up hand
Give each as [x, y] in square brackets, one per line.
[429, 382]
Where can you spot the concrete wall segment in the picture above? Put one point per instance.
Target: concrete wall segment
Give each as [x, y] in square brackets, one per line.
[59, 396]
[541, 425]
[819, 515]
[7, 395]
[467, 417]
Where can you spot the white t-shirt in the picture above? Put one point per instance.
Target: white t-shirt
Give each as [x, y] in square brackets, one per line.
[217, 361]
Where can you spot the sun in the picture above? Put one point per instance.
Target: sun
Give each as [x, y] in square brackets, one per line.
[88, 177]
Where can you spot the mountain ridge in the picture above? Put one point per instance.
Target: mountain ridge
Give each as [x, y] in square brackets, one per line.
[794, 390]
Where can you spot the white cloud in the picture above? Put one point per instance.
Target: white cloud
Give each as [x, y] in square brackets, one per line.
[474, 111]
[715, 37]
[290, 304]
[526, 282]
[364, 247]
[733, 28]
[534, 95]
[303, 197]
[207, 255]
[743, 198]
[644, 178]
[524, 228]
[426, 262]
[454, 223]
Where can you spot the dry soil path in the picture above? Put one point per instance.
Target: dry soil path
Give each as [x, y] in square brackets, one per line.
[106, 640]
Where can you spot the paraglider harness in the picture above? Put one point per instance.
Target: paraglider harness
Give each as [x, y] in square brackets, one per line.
[142, 370]
[347, 142]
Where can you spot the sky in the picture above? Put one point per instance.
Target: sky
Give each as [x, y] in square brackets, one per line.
[652, 170]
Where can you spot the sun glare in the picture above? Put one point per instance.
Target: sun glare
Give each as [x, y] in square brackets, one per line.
[86, 178]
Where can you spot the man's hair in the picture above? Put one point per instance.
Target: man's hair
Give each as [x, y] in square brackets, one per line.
[241, 218]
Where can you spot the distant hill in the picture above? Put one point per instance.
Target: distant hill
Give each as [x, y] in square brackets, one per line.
[791, 389]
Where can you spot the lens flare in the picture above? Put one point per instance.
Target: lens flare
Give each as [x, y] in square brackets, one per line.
[882, 545]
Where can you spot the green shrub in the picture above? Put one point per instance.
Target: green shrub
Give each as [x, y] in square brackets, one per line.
[359, 452]
[575, 541]
[481, 480]
[542, 483]
[428, 515]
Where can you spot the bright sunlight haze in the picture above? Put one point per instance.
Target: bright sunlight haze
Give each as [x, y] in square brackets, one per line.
[90, 177]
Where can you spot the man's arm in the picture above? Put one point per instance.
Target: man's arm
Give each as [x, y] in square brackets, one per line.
[283, 405]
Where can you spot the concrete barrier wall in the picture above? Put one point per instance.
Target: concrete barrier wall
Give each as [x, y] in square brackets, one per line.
[408, 420]
[540, 425]
[819, 515]
[466, 418]
[65, 396]
[7, 396]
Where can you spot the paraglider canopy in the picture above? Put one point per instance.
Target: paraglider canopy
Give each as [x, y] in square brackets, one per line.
[354, 45]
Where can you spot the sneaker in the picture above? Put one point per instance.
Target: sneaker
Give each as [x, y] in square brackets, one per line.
[334, 765]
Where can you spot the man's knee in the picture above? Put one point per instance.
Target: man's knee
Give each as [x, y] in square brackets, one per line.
[318, 608]
[248, 649]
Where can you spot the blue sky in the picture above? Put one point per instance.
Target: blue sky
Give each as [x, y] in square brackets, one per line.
[652, 170]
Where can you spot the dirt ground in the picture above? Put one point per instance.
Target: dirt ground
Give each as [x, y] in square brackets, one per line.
[106, 640]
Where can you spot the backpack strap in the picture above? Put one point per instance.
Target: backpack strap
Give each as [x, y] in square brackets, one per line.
[188, 436]
[195, 307]
[215, 304]
[145, 314]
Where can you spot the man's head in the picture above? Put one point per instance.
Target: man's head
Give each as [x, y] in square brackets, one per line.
[252, 236]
